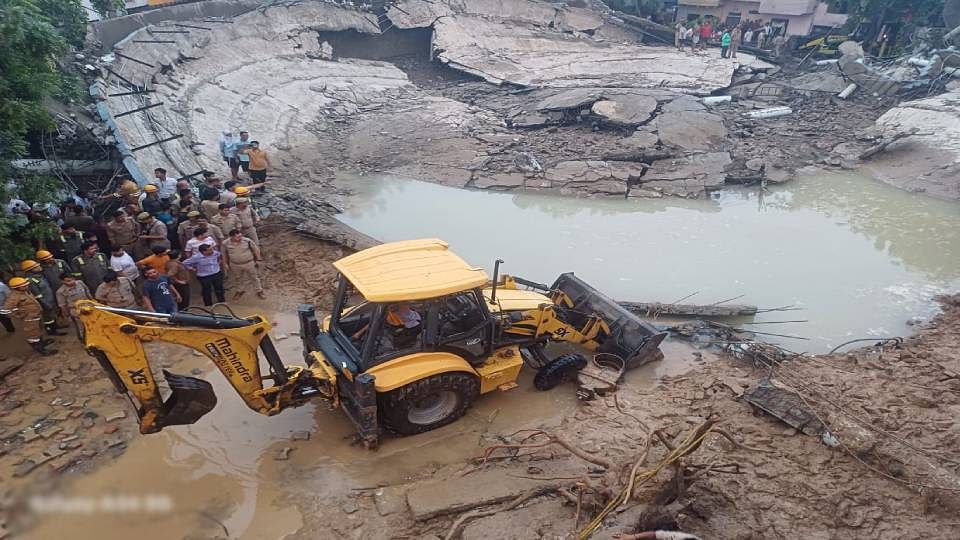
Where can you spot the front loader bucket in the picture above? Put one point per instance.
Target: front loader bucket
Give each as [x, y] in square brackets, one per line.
[190, 398]
[630, 338]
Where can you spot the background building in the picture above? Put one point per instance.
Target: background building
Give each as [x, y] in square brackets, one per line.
[794, 17]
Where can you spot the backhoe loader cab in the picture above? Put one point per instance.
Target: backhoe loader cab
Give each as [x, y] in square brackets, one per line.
[417, 334]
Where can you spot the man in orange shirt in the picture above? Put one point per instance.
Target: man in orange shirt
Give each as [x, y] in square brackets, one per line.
[259, 161]
[157, 261]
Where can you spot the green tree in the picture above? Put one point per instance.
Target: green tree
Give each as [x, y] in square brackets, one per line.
[67, 17]
[874, 14]
[29, 44]
[104, 7]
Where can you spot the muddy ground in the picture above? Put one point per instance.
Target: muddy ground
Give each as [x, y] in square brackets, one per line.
[893, 411]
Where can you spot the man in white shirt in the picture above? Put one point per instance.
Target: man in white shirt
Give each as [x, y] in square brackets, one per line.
[123, 264]
[168, 186]
[201, 235]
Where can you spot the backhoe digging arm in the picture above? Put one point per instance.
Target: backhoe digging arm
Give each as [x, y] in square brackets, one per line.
[116, 338]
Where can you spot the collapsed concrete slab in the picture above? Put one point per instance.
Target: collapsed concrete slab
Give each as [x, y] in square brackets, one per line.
[626, 110]
[691, 130]
[532, 43]
[685, 177]
[929, 160]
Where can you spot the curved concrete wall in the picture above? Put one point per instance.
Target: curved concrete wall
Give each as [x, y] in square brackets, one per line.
[262, 71]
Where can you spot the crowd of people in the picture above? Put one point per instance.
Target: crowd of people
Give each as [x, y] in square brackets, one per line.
[141, 248]
[698, 34]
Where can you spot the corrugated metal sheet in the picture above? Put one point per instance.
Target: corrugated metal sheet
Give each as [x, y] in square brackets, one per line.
[787, 7]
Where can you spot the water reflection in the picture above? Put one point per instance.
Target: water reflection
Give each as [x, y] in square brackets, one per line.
[859, 256]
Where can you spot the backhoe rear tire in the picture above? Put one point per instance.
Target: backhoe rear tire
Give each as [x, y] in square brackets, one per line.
[562, 368]
[428, 403]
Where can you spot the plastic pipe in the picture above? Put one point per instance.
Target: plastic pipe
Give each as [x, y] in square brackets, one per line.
[770, 113]
[847, 91]
[713, 100]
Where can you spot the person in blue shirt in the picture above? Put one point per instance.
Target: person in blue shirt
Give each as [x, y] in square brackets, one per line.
[158, 295]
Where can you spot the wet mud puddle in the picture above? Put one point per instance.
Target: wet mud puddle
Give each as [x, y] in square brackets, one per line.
[221, 477]
[859, 257]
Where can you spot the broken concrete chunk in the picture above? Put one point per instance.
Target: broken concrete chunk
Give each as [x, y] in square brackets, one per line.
[457, 493]
[390, 500]
[300, 436]
[691, 130]
[574, 98]
[687, 176]
[116, 416]
[784, 405]
[498, 181]
[24, 468]
[684, 103]
[283, 454]
[626, 110]
[819, 81]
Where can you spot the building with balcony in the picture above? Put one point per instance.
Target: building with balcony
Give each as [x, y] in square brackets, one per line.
[794, 17]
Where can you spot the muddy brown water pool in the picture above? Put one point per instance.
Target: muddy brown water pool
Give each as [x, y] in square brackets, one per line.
[859, 258]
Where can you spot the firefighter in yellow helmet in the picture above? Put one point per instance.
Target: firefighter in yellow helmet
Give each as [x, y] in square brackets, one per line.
[41, 290]
[23, 305]
[53, 268]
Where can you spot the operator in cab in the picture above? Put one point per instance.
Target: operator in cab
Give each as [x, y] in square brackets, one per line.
[404, 322]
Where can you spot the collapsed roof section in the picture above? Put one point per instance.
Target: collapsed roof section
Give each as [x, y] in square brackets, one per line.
[535, 44]
[193, 80]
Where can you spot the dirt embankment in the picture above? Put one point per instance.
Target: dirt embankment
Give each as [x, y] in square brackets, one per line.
[888, 464]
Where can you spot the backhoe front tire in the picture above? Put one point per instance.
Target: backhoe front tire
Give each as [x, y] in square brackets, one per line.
[428, 403]
[562, 368]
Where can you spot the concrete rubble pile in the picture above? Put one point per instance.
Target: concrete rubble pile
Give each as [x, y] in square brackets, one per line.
[486, 94]
[281, 73]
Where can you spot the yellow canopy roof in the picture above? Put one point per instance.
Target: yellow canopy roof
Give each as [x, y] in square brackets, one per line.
[409, 270]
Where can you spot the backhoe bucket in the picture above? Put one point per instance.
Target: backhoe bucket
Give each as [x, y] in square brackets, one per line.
[190, 398]
[630, 338]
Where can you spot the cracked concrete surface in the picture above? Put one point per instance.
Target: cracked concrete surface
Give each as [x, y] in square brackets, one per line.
[929, 160]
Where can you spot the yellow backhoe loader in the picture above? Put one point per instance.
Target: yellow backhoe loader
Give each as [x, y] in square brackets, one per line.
[415, 336]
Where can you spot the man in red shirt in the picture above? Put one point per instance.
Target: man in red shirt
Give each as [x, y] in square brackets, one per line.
[706, 32]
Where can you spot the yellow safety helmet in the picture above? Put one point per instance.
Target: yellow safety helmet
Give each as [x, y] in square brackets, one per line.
[241, 190]
[29, 265]
[17, 282]
[150, 188]
[43, 255]
[128, 188]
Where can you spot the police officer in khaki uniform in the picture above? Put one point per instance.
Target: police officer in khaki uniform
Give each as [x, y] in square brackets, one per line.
[248, 219]
[21, 304]
[90, 266]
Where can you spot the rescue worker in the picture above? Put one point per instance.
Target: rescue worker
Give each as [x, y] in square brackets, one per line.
[186, 228]
[70, 241]
[117, 291]
[122, 231]
[215, 231]
[224, 219]
[5, 319]
[52, 268]
[22, 305]
[41, 290]
[248, 219]
[242, 255]
[91, 265]
[71, 290]
[152, 233]
[151, 202]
